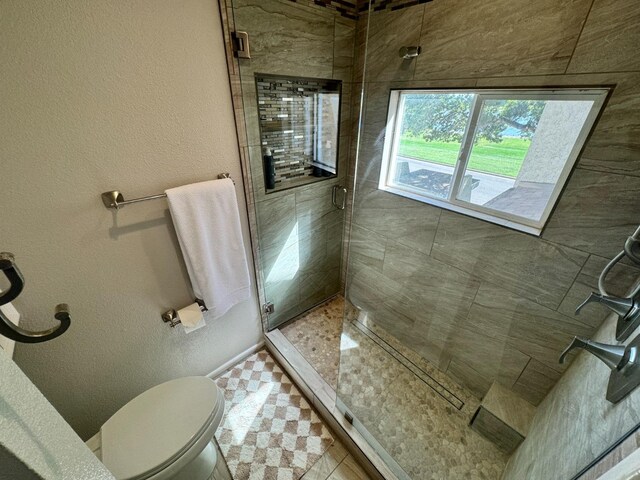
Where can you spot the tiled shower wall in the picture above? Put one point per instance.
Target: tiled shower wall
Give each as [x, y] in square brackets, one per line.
[575, 423]
[481, 301]
[299, 230]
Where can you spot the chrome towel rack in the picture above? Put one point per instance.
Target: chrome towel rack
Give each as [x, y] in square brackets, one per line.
[7, 327]
[115, 200]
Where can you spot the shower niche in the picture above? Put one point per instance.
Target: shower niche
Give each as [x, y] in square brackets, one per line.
[299, 120]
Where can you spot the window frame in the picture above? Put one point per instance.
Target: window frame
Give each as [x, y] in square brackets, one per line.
[598, 95]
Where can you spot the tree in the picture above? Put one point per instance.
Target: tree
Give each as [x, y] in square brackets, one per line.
[444, 117]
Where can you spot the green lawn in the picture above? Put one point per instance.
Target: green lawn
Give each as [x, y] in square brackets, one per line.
[504, 158]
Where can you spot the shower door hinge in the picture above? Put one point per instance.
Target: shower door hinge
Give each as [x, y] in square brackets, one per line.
[241, 44]
[268, 308]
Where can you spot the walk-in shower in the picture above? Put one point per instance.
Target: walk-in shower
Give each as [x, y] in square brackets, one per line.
[489, 183]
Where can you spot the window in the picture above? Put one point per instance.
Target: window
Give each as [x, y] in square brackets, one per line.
[501, 156]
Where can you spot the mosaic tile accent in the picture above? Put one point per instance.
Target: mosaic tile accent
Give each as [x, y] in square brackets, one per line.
[379, 5]
[354, 8]
[287, 109]
[269, 431]
[347, 9]
[316, 335]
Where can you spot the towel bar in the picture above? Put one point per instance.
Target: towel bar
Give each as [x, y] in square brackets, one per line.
[115, 200]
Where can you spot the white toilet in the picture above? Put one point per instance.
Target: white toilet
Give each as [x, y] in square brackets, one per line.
[164, 433]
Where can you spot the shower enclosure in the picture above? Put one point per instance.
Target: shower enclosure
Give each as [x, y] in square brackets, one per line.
[480, 181]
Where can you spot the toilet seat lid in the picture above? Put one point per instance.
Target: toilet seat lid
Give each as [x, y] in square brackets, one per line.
[155, 428]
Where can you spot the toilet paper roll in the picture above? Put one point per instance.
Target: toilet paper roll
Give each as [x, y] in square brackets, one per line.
[191, 318]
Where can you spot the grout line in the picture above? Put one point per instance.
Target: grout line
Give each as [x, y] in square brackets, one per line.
[579, 166]
[336, 467]
[573, 282]
[584, 24]
[525, 367]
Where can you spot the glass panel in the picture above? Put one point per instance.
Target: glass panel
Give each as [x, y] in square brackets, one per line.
[520, 148]
[429, 137]
[296, 149]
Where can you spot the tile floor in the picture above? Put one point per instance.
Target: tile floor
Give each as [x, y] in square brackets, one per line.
[418, 414]
[316, 336]
[270, 431]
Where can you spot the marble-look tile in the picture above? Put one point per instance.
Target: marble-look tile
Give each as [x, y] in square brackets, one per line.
[388, 32]
[444, 294]
[610, 38]
[575, 423]
[314, 207]
[596, 212]
[499, 38]
[286, 37]
[473, 380]
[527, 326]
[496, 431]
[315, 286]
[480, 358]
[345, 109]
[535, 381]
[329, 461]
[280, 264]
[509, 407]
[615, 142]
[277, 220]
[538, 270]
[619, 281]
[403, 220]
[349, 470]
[366, 247]
[343, 49]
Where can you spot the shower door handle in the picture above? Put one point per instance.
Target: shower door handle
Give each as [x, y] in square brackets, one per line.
[334, 195]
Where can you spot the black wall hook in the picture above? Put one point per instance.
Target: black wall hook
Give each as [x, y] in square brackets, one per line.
[7, 327]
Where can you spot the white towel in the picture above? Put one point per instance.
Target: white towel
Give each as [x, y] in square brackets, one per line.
[207, 222]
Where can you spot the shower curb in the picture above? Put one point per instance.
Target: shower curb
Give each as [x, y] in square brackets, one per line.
[323, 398]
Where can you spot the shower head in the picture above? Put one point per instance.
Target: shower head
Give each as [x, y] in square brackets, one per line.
[409, 52]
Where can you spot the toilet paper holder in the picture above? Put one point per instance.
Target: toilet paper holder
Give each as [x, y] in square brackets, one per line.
[171, 316]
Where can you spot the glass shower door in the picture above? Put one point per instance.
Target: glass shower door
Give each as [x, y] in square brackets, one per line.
[448, 318]
[294, 109]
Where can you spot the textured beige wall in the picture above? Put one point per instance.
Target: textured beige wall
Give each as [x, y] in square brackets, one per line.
[95, 96]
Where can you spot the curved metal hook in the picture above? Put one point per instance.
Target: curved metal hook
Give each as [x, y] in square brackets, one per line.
[13, 332]
[12, 272]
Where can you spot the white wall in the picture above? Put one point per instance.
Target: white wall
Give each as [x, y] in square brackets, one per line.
[98, 95]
